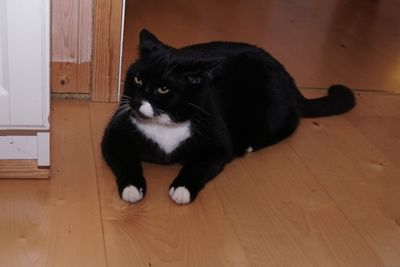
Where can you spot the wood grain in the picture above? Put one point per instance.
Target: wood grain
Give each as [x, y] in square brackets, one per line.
[106, 46]
[71, 30]
[22, 169]
[71, 46]
[284, 217]
[376, 117]
[319, 42]
[70, 78]
[361, 179]
[56, 222]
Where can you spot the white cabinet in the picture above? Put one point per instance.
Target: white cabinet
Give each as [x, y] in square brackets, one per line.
[24, 79]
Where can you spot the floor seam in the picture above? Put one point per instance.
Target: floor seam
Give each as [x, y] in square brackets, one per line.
[97, 180]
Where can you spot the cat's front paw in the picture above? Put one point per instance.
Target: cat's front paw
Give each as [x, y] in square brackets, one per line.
[181, 195]
[132, 194]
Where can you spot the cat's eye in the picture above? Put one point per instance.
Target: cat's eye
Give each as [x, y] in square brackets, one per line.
[138, 81]
[163, 90]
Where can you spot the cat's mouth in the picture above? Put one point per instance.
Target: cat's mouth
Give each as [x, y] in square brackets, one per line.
[146, 114]
[157, 118]
[140, 116]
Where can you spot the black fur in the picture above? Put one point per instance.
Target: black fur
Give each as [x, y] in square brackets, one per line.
[236, 96]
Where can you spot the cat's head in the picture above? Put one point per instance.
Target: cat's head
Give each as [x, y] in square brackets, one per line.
[166, 84]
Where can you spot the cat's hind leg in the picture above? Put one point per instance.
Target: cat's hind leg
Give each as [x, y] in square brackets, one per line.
[274, 134]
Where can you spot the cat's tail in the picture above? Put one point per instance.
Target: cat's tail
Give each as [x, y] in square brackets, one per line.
[339, 100]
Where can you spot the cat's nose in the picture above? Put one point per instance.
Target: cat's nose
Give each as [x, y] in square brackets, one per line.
[146, 109]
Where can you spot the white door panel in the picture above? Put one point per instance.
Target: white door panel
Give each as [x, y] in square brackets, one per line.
[24, 68]
[4, 94]
[25, 80]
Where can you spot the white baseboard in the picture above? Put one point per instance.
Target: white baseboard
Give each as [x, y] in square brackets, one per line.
[31, 146]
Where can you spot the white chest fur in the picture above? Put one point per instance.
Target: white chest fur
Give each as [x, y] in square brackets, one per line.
[168, 136]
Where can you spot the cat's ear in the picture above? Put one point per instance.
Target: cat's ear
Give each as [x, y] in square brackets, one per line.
[147, 37]
[148, 43]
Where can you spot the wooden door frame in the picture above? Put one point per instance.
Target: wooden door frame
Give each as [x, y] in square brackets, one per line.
[108, 25]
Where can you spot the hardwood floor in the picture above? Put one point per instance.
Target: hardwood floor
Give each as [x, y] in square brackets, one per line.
[327, 196]
[354, 42]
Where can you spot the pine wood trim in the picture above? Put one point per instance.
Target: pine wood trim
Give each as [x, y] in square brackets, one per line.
[70, 78]
[71, 46]
[106, 45]
[22, 169]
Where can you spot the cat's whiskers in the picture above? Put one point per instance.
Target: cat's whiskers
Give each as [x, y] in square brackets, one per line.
[121, 111]
[123, 103]
[196, 128]
[125, 100]
[168, 71]
[199, 108]
[126, 96]
[123, 106]
[172, 119]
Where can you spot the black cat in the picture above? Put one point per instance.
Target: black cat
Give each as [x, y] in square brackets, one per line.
[201, 106]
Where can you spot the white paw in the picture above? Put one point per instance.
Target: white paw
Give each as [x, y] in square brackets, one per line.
[249, 149]
[180, 195]
[132, 194]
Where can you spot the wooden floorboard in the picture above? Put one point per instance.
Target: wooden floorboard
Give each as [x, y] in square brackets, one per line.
[359, 177]
[56, 222]
[377, 117]
[284, 217]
